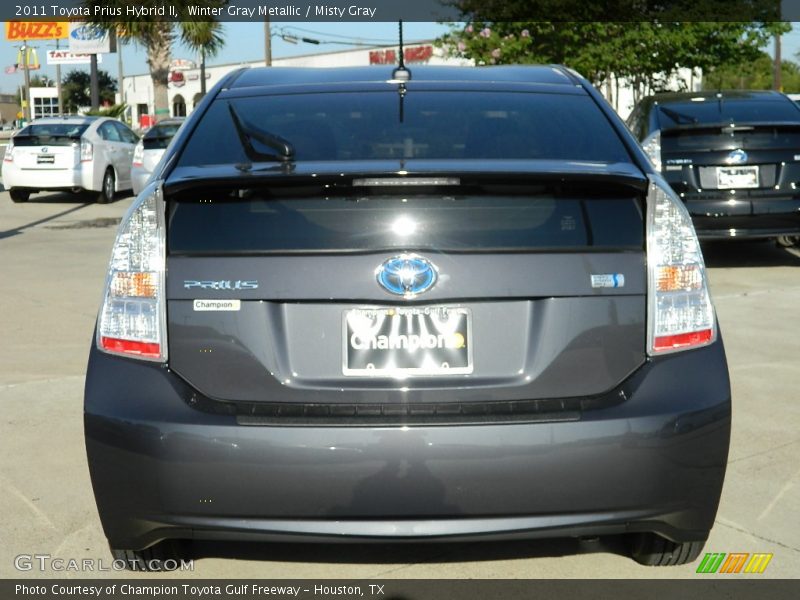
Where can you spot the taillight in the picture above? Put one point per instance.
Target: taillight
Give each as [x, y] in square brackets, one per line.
[87, 151]
[138, 155]
[9, 155]
[680, 312]
[652, 147]
[132, 320]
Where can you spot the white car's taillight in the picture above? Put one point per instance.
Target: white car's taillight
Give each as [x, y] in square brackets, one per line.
[132, 319]
[87, 151]
[680, 311]
[652, 147]
[9, 155]
[138, 154]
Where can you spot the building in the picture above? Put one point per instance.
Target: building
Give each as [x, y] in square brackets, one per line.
[9, 107]
[184, 76]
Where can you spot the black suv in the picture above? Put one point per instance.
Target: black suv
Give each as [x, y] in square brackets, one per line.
[733, 157]
[352, 305]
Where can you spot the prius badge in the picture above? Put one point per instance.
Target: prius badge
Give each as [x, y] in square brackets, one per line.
[407, 275]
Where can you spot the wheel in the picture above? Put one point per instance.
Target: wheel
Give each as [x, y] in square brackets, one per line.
[19, 195]
[106, 194]
[787, 241]
[655, 551]
[164, 556]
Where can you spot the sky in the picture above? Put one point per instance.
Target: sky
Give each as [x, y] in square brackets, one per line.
[245, 42]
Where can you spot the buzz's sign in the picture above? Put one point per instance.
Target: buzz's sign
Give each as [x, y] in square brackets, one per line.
[18, 31]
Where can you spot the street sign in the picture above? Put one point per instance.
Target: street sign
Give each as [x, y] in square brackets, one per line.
[86, 38]
[65, 57]
[17, 31]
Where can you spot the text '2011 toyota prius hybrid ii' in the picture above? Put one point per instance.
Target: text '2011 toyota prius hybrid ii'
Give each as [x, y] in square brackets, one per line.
[357, 306]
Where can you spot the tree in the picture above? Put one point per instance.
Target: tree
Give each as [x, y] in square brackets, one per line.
[753, 75]
[640, 51]
[154, 33]
[75, 89]
[646, 52]
[204, 37]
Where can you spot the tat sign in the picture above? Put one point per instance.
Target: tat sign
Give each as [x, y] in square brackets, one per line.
[415, 54]
[18, 31]
[65, 57]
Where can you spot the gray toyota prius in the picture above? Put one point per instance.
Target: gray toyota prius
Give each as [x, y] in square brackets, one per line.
[368, 304]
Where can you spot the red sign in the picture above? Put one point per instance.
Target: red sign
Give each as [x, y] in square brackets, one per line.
[414, 54]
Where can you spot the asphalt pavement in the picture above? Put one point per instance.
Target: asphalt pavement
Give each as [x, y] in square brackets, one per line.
[53, 255]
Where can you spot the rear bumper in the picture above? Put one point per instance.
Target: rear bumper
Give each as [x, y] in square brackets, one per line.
[653, 462]
[139, 177]
[49, 179]
[726, 218]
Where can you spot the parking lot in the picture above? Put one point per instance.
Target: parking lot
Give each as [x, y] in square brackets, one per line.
[53, 255]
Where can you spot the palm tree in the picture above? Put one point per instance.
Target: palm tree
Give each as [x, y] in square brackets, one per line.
[205, 37]
[156, 36]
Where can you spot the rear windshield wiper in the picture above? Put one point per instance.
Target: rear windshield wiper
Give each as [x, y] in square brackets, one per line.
[246, 131]
[678, 117]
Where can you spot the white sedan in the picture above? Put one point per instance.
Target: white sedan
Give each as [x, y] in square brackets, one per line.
[70, 153]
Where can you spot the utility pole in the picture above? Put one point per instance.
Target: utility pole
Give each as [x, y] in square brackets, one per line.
[267, 43]
[94, 83]
[120, 74]
[26, 110]
[58, 86]
[776, 69]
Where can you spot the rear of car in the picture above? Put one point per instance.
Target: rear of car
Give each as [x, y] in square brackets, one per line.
[150, 149]
[731, 156]
[74, 154]
[462, 307]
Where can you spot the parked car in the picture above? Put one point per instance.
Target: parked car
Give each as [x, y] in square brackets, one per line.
[733, 157]
[150, 149]
[69, 153]
[352, 307]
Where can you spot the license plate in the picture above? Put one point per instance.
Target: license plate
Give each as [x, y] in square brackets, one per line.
[401, 342]
[45, 159]
[737, 177]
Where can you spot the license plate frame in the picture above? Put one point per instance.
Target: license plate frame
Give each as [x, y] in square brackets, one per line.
[45, 159]
[373, 345]
[738, 177]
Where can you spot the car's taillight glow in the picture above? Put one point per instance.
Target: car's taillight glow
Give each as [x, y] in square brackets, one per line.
[9, 155]
[87, 151]
[132, 319]
[680, 311]
[652, 147]
[138, 155]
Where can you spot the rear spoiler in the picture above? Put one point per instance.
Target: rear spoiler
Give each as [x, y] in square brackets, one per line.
[728, 126]
[465, 171]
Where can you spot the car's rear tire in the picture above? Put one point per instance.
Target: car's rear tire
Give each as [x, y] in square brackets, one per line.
[106, 194]
[19, 195]
[655, 551]
[164, 556]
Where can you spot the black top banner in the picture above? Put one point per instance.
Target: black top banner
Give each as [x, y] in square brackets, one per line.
[408, 10]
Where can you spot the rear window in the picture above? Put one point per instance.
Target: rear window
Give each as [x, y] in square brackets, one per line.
[160, 136]
[726, 111]
[50, 134]
[424, 125]
[495, 218]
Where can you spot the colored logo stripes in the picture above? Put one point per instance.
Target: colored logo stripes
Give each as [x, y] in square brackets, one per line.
[735, 562]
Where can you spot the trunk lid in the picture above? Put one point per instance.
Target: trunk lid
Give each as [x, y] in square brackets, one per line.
[274, 291]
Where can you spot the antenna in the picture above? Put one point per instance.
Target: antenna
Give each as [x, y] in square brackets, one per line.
[401, 74]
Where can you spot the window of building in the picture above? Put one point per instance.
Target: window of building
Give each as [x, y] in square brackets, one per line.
[178, 106]
[45, 107]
